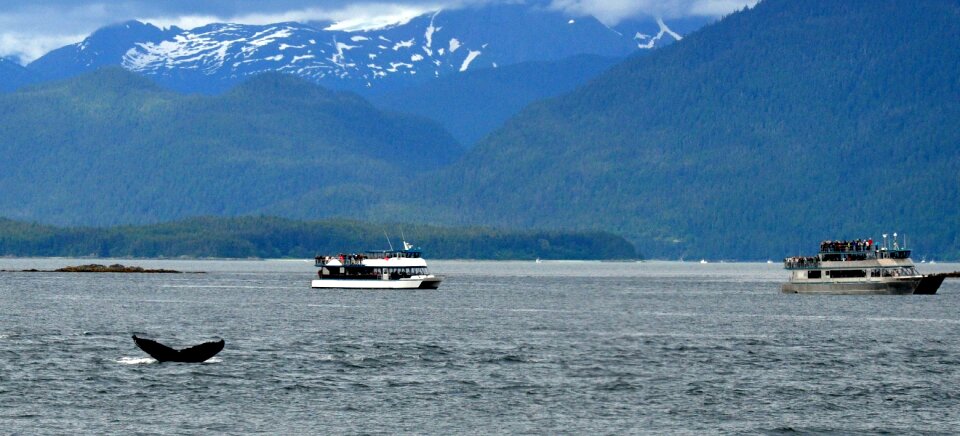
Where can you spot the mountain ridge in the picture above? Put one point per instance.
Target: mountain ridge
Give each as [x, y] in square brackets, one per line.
[216, 56]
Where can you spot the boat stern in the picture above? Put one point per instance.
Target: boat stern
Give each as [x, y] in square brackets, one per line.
[431, 282]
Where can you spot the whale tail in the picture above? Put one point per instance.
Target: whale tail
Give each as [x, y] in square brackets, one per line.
[194, 354]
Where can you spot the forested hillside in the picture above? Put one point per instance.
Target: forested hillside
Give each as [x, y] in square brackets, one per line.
[111, 147]
[753, 138]
[475, 103]
[267, 237]
[13, 76]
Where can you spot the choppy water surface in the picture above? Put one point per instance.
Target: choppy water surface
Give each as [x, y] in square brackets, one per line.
[505, 347]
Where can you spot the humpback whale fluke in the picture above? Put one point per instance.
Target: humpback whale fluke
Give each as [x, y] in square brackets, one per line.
[194, 354]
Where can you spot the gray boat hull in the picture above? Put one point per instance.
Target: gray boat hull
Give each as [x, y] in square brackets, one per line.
[899, 287]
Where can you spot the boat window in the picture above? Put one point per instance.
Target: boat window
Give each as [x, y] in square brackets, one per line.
[815, 274]
[897, 272]
[848, 273]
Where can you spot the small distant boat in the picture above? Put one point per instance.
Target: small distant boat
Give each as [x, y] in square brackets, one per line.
[538, 260]
[377, 269]
[858, 267]
[769, 261]
[702, 261]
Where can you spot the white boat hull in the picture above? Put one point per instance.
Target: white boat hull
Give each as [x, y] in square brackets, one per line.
[427, 282]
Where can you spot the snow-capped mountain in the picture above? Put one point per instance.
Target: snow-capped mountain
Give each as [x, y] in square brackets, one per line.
[216, 56]
[104, 47]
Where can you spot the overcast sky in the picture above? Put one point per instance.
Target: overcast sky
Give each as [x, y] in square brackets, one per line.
[30, 28]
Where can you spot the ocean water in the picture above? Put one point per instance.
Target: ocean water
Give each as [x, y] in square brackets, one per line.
[501, 347]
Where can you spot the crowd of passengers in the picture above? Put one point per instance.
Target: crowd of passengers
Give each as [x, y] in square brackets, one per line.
[345, 259]
[800, 261]
[845, 246]
[353, 258]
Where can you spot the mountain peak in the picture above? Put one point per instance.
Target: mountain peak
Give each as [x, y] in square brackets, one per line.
[13, 75]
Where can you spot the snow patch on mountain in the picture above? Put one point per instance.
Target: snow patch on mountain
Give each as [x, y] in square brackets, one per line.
[403, 44]
[470, 57]
[646, 42]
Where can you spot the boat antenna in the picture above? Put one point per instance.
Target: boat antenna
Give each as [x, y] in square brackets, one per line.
[388, 240]
[406, 245]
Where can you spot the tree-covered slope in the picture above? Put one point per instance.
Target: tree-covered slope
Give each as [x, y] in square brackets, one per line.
[13, 76]
[269, 237]
[754, 137]
[474, 103]
[111, 147]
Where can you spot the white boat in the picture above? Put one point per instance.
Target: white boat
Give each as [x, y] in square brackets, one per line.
[379, 269]
[858, 267]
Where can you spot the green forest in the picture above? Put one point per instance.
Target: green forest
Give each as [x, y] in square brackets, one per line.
[112, 147]
[270, 237]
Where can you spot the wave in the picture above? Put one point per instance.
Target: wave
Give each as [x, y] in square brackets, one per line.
[229, 287]
[150, 360]
[136, 360]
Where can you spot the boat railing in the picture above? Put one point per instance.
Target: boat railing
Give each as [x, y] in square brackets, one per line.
[344, 259]
[894, 254]
[801, 262]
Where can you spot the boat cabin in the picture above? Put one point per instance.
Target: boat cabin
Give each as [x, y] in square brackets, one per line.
[859, 259]
[373, 264]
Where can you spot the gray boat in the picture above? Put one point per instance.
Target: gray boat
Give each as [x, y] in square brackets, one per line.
[858, 267]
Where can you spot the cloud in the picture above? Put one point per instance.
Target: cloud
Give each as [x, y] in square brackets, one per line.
[31, 30]
[612, 12]
[358, 16]
[24, 48]
[717, 8]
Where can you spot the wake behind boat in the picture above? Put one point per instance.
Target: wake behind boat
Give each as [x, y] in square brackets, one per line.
[858, 267]
[378, 269]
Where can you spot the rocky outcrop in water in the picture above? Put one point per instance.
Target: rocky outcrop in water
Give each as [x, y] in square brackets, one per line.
[115, 268]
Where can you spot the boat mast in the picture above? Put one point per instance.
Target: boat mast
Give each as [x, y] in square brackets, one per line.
[388, 240]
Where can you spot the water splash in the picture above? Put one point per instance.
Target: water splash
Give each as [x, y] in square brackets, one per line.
[136, 360]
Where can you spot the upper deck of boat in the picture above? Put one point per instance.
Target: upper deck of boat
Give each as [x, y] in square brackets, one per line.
[851, 254]
[375, 258]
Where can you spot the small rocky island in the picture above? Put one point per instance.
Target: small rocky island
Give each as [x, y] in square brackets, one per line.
[115, 268]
